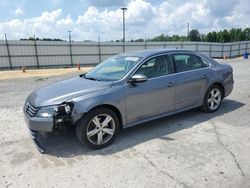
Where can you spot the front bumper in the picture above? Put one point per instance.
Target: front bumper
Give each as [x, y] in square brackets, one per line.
[39, 124]
[36, 126]
[37, 140]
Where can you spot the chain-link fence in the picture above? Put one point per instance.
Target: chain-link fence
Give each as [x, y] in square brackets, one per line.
[39, 54]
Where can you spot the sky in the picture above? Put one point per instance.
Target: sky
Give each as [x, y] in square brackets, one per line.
[88, 19]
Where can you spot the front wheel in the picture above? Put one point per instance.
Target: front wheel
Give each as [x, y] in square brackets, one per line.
[98, 128]
[212, 99]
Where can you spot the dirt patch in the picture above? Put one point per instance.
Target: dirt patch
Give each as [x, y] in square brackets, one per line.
[14, 74]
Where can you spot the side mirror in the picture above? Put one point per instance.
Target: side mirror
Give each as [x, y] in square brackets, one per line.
[138, 78]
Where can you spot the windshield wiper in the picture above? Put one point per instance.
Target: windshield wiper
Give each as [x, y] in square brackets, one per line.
[91, 78]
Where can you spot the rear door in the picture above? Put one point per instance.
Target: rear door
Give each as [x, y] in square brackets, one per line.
[156, 95]
[192, 74]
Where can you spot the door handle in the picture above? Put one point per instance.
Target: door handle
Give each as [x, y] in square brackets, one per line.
[170, 84]
[205, 76]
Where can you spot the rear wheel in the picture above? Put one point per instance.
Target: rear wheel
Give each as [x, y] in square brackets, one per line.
[212, 99]
[98, 128]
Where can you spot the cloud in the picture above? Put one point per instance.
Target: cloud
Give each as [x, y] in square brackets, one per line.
[44, 26]
[108, 3]
[143, 19]
[19, 12]
[221, 8]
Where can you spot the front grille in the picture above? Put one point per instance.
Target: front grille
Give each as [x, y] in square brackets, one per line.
[31, 110]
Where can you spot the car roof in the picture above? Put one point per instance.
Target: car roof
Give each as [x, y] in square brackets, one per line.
[152, 52]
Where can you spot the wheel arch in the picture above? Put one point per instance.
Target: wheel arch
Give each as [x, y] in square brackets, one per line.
[219, 84]
[113, 108]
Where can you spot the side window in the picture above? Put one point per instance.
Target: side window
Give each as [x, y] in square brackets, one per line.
[186, 62]
[157, 66]
[149, 63]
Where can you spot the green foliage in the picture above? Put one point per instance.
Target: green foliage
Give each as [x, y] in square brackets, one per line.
[232, 35]
[44, 39]
[139, 40]
[194, 35]
[163, 37]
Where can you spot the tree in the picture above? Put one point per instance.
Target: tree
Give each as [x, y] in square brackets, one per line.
[225, 36]
[161, 37]
[214, 36]
[208, 37]
[232, 34]
[220, 37]
[44, 39]
[194, 35]
[139, 40]
[247, 33]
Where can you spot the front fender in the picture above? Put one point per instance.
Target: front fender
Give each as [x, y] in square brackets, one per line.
[113, 97]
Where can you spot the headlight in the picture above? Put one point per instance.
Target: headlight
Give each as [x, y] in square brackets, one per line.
[46, 112]
[67, 108]
[49, 111]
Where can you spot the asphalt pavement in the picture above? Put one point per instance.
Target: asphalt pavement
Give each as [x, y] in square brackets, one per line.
[190, 149]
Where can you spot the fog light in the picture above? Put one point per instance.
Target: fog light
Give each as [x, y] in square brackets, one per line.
[67, 109]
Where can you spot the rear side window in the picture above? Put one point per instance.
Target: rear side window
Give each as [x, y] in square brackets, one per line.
[186, 62]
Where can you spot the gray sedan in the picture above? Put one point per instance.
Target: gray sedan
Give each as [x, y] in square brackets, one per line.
[126, 90]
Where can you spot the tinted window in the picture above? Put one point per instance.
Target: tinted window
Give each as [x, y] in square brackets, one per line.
[157, 66]
[186, 62]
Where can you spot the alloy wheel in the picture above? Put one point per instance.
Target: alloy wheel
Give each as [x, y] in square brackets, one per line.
[100, 129]
[214, 99]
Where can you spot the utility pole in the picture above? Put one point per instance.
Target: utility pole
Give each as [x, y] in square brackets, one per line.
[187, 30]
[70, 49]
[123, 14]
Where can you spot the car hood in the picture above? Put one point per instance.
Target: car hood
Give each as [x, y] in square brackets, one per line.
[59, 92]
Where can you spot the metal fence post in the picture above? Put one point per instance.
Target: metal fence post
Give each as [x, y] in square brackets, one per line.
[99, 50]
[196, 47]
[123, 46]
[70, 49]
[239, 49]
[210, 49]
[145, 45]
[165, 45]
[8, 51]
[37, 60]
[222, 50]
[231, 46]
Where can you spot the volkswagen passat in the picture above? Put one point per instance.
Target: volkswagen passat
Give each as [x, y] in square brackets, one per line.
[126, 90]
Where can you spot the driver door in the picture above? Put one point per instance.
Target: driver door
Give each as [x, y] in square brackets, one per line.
[155, 96]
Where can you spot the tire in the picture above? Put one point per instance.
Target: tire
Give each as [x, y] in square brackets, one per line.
[98, 128]
[212, 99]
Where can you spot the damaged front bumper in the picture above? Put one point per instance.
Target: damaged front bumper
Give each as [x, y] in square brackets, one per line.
[39, 123]
[36, 126]
[40, 126]
[36, 137]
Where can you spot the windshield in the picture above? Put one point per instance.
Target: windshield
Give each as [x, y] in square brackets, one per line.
[112, 69]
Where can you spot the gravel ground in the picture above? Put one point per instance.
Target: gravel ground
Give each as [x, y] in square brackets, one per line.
[190, 149]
